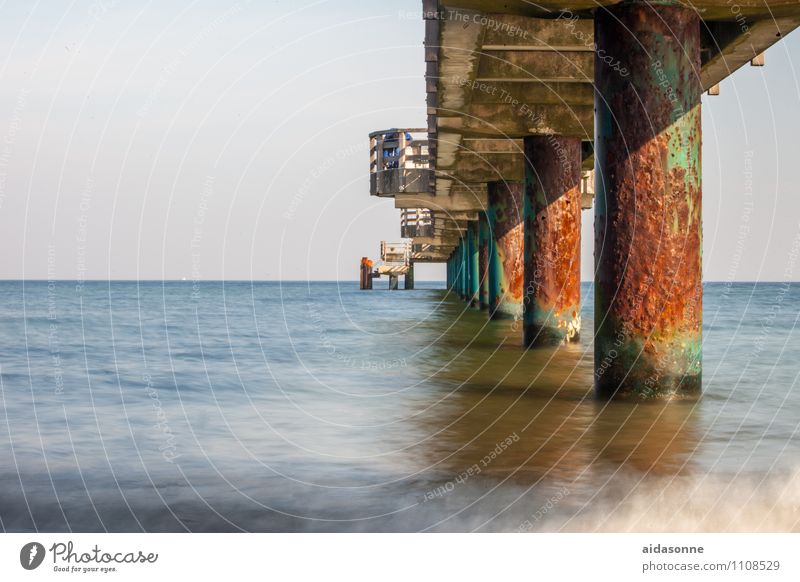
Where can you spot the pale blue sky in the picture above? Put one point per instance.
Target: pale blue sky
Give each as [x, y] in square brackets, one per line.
[217, 139]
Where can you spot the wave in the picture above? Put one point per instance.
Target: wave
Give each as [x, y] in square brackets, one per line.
[732, 504]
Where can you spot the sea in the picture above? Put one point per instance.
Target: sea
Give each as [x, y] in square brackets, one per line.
[170, 406]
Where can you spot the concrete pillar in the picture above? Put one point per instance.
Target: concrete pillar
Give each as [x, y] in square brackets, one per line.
[552, 240]
[393, 282]
[648, 306]
[408, 280]
[505, 214]
[472, 263]
[483, 262]
[448, 278]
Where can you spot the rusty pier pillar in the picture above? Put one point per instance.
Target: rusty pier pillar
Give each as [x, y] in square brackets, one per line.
[464, 268]
[408, 279]
[456, 280]
[505, 214]
[648, 291]
[552, 285]
[460, 283]
[473, 272]
[453, 280]
[483, 262]
[365, 274]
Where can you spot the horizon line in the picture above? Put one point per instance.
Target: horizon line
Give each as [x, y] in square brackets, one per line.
[58, 280]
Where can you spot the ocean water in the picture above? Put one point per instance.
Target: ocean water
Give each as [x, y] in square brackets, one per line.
[177, 406]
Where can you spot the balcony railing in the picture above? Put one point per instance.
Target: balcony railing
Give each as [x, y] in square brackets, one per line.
[416, 222]
[395, 253]
[399, 162]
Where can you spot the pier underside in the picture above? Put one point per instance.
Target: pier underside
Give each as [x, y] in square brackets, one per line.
[536, 109]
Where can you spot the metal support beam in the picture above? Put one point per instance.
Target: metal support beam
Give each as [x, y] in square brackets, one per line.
[648, 291]
[552, 240]
[393, 282]
[506, 249]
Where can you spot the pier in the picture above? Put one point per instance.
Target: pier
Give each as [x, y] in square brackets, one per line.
[536, 111]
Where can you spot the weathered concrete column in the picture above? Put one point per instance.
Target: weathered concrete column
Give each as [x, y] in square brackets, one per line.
[408, 279]
[447, 272]
[505, 213]
[552, 240]
[483, 262]
[472, 264]
[648, 306]
[393, 282]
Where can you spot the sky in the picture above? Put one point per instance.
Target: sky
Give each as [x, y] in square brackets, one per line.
[228, 140]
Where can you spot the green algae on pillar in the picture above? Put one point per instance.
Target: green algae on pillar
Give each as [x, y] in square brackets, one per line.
[552, 240]
[506, 249]
[648, 282]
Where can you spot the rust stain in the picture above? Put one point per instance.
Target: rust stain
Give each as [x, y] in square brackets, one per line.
[507, 201]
